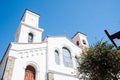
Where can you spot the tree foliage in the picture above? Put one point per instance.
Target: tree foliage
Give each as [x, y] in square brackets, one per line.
[100, 62]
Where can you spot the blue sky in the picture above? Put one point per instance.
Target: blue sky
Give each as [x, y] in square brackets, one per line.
[59, 17]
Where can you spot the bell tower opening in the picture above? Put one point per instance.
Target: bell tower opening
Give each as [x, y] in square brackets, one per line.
[80, 40]
[28, 30]
[30, 37]
[30, 73]
[77, 43]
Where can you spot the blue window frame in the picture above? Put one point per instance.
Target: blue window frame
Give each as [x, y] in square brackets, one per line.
[67, 58]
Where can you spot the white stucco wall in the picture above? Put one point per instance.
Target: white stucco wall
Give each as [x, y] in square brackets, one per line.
[31, 18]
[29, 54]
[57, 43]
[23, 32]
[83, 37]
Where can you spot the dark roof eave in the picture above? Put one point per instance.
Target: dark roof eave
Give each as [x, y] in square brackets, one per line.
[77, 33]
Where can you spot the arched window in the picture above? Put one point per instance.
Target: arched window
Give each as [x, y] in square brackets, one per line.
[77, 43]
[30, 37]
[67, 58]
[84, 42]
[29, 73]
[57, 57]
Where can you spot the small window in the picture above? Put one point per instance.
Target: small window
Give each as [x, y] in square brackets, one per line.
[84, 42]
[77, 43]
[57, 57]
[30, 37]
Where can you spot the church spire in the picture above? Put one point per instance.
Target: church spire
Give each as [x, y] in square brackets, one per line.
[29, 28]
[80, 40]
[31, 18]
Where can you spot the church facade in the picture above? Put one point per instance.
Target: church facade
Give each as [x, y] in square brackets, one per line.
[31, 58]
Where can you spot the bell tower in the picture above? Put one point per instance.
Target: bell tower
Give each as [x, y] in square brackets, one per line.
[28, 30]
[80, 40]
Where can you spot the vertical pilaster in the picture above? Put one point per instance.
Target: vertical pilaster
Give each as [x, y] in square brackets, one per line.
[9, 68]
[50, 76]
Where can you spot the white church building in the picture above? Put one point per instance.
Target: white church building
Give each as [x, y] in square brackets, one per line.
[31, 58]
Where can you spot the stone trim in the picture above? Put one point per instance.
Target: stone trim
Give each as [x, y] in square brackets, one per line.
[50, 76]
[9, 68]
